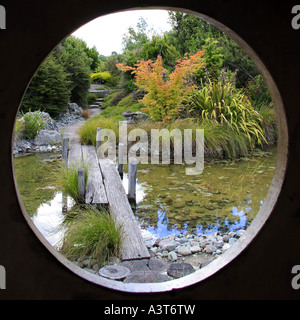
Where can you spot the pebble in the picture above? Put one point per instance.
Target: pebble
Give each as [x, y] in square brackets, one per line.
[180, 247]
[170, 256]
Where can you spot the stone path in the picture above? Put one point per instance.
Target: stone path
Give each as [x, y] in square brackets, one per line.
[72, 129]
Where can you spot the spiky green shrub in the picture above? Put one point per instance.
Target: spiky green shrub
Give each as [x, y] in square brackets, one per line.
[92, 233]
[225, 104]
[33, 122]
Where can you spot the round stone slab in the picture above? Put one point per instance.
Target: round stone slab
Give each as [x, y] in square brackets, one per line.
[114, 272]
[146, 277]
[179, 269]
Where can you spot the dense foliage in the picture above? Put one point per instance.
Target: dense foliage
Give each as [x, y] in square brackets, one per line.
[63, 77]
[194, 71]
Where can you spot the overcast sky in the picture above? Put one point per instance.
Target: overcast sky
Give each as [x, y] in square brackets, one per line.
[106, 32]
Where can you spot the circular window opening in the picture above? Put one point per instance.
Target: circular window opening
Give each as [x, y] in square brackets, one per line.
[205, 123]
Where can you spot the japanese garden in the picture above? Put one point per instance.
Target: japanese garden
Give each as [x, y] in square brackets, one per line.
[191, 77]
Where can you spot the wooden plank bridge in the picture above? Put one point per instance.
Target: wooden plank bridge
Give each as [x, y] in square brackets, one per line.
[104, 187]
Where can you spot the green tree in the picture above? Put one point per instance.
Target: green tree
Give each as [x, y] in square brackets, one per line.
[77, 65]
[49, 89]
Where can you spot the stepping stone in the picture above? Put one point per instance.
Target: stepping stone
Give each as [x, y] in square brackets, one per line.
[179, 269]
[136, 265]
[146, 277]
[114, 272]
[157, 265]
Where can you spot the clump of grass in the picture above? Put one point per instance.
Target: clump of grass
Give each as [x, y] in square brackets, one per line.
[19, 129]
[88, 131]
[68, 179]
[33, 122]
[92, 233]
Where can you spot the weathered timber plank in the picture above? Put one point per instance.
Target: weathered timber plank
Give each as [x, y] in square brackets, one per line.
[95, 191]
[133, 243]
[75, 153]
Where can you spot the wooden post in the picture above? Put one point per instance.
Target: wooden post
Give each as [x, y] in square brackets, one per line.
[81, 185]
[132, 169]
[65, 143]
[98, 138]
[120, 159]
[64, 202]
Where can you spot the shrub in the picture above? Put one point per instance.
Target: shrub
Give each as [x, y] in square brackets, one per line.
[165, 92]
[91, 98]
[85, 113]
[33, 122]
[67, 178]
[100, 77]
[223, 103]
[93, 233]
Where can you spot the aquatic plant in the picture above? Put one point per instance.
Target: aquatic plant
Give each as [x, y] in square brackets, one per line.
[67, 177]
[92, 233]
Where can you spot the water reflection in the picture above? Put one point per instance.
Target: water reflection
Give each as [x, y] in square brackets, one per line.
[49, 218]
[225, 197]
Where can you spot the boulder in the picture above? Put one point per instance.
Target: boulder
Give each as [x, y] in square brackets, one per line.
[74, 108]
[47, 137]
[140, 116]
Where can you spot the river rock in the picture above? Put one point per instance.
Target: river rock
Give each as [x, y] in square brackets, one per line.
[172, 256]
[232, 241]
[195, 249]
[168, 245]
[210, 248]
[179, 269]
[184, 251]
[225, 246]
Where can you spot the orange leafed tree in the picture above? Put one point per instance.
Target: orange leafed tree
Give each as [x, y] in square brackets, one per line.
[165, 93]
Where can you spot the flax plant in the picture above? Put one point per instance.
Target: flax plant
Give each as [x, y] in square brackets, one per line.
[225, 104]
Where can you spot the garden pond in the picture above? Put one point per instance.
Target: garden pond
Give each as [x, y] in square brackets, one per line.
[225, 197]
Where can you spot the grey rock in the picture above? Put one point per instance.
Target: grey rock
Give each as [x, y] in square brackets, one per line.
[136, 265]
[47, 137]
[240, 233]
[226, 238]
[225, 247]
[210, 248]
[184, 251]
[73, 108]
[146, 277]
[172, 256]
[232, 241]
[179, 269]
[157, 265]
[195, 249]
[140, 116]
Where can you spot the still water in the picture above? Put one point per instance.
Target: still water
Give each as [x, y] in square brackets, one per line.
[226, 196]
